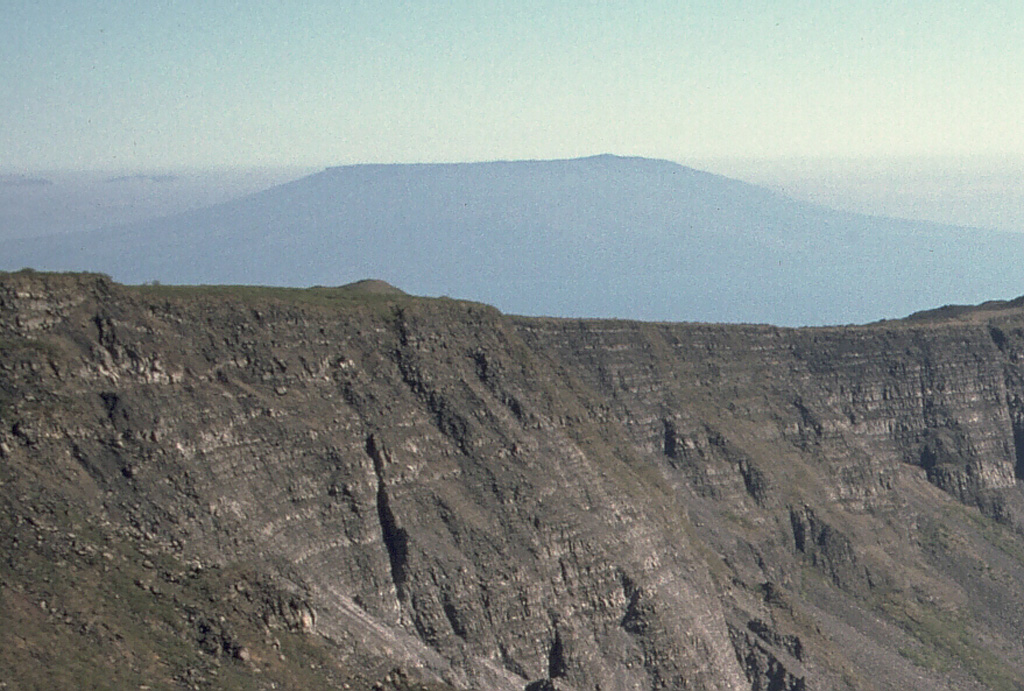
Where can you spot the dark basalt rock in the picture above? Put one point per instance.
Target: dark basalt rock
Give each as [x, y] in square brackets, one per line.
[243, 487]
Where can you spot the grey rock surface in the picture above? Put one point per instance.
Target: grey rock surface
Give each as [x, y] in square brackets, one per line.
[441, 496]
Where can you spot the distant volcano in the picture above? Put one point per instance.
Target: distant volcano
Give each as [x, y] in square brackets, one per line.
[604, 236]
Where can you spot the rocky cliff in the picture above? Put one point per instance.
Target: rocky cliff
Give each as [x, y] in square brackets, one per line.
[270, 488]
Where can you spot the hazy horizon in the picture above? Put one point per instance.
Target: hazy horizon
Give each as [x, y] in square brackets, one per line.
[312, 84]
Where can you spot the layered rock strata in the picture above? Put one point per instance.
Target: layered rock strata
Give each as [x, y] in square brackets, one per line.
[469, 500]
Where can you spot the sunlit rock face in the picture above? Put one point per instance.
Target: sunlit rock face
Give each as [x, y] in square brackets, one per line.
[446, 497]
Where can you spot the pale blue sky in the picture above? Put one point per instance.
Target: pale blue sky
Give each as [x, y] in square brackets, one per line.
[171, 83]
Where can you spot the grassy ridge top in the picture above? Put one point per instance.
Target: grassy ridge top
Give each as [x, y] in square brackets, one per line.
[376, 292]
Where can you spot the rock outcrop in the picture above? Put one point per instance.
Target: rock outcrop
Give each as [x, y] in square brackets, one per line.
[393, 492]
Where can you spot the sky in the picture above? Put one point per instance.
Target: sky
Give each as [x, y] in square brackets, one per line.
[168, 84]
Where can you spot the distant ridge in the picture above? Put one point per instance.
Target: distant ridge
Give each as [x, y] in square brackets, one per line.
[604, 236]
[961, 311]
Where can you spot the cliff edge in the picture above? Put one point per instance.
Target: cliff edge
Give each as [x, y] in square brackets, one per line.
[240, 487]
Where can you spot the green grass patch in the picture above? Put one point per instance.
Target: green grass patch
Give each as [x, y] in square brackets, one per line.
[946, 638]
[993, 532]
[926, 658]
[323, 296]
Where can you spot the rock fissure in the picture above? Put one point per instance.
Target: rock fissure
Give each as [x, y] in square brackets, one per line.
[394, 537]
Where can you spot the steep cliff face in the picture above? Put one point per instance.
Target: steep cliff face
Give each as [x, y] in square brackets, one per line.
[379, 489]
